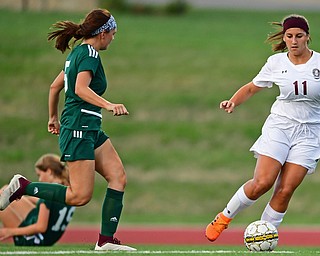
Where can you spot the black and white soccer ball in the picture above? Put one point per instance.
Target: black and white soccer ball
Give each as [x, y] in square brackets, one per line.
[261, 235]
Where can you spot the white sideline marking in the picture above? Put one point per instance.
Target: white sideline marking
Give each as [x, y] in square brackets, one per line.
[134, 252]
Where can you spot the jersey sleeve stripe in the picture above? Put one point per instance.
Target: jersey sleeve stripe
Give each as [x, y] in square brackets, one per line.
[92, 52]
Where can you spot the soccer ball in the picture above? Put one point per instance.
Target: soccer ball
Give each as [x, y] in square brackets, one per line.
[261, 235]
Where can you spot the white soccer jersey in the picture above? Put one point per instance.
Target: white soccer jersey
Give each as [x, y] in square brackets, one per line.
[299, 86]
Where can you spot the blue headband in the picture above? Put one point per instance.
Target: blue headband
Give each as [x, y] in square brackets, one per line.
[108, 26]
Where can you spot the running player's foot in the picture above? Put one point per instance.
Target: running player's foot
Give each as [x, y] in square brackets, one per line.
[14, 191]
[215, 228]
[113, 245]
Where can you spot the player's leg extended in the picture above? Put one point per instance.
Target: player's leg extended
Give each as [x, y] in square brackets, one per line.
[16, 212]
[109, 165]
[289, 179]
[81, 174]
[265, 174]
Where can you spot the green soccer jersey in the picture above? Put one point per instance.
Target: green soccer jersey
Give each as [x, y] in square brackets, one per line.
[79, 114]
[59, 218]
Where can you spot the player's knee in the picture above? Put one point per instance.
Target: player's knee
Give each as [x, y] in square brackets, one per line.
[79, 200]
[83, 201]
[259, 187]
[117, 179]
[119, 182]
[123, 179]
[284, 193]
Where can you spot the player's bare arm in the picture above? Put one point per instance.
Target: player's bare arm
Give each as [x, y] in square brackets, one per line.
[55, 89]
[242, 95]
[39, 227]
[84, 92]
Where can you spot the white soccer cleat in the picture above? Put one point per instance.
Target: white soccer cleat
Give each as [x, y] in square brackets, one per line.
[116, 246]
[13, 191]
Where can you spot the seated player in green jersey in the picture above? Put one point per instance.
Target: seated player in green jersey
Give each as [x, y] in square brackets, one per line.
[37, 222]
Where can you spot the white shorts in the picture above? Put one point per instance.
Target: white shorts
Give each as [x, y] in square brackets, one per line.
[287, 141]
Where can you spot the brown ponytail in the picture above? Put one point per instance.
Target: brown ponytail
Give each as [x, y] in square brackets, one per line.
[276, 39]
[64, 31]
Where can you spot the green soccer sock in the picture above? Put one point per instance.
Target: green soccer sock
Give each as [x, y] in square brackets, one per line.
[47, 191]
[111, 211]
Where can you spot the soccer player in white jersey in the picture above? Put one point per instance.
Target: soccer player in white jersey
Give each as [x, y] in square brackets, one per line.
[288, 147]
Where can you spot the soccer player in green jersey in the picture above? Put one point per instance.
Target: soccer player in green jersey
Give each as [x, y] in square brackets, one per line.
[84, 146]
[37, 222]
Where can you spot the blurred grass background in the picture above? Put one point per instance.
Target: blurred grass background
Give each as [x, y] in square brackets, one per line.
[184, 157]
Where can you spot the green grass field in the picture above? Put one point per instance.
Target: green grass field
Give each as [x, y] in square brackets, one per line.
[184, 157]
[153, 250]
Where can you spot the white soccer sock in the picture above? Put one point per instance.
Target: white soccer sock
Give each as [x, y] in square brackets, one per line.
[272, 216]
[238, 202]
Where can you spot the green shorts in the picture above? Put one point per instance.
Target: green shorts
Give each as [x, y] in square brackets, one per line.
[31, 240]
[80, 145]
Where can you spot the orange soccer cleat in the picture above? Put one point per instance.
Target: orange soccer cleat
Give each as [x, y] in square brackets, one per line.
[215, 228]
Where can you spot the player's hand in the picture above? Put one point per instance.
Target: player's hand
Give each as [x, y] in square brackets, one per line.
[227, 105]
[5, 233]
[54, 126]
[118, 109]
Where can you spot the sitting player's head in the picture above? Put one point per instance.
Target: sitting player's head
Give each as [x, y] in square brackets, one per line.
[49, 168]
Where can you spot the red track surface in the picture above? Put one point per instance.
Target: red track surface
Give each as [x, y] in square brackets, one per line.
[188, 236]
